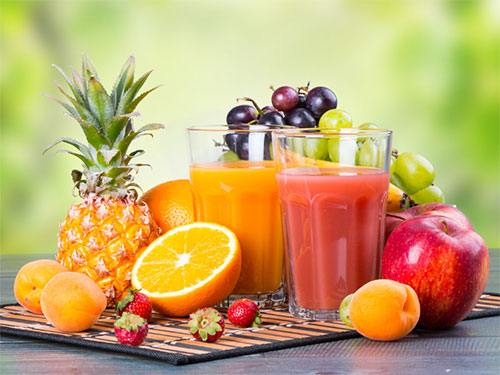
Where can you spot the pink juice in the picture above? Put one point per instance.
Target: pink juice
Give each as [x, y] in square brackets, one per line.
[334, 221]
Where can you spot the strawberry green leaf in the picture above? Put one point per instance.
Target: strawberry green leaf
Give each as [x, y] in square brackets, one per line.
[203, 334]
[124, 302]
[130, 322]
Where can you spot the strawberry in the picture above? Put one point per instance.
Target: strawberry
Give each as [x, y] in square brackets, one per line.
[244, 313]
[135, 302]
[206, 324]
[131, 329]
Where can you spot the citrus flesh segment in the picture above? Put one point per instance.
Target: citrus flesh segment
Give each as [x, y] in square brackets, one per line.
[192, 266]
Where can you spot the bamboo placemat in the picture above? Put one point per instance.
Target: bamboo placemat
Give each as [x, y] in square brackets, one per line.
[169, 340]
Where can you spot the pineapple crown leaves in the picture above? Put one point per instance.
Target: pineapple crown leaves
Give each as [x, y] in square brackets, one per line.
[205, 322]
[130, 322]
[107, 122]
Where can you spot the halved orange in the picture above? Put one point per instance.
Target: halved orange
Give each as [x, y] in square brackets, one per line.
[192, 266]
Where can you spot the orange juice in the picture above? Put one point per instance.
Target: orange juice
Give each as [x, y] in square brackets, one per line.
[243, 196]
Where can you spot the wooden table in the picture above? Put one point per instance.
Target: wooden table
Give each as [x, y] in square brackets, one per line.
[472, 347]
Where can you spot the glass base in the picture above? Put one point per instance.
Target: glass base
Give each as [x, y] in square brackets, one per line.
[306, 314]
[274, 300]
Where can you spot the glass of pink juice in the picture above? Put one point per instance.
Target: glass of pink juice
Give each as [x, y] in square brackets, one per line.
[333, 186]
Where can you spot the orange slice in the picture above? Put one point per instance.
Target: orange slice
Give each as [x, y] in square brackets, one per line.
[192, 266]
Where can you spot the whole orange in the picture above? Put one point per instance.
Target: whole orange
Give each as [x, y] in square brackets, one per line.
[31, 279]
[170, 203]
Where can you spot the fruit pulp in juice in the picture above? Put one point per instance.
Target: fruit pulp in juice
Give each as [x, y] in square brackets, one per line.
[243, 196]
[334, 225]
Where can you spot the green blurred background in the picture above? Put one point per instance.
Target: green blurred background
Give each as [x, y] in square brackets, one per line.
[429, 70]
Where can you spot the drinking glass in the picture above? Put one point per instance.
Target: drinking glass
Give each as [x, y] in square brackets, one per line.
[333, 186]
[233, 182]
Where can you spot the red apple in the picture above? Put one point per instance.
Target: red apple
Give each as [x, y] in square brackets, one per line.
[394, 219]
[444, 261]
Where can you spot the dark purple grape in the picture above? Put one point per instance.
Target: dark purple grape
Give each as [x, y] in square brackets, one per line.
[285, 98]
[268, 108]
[236, 141]
[267, 147]
[241, 114]
[242, 146]
[319, 100]
[300, 117]
[302, 101]
[272, 118]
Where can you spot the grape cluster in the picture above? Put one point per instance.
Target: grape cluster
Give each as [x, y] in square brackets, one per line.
[300, 107]
[414, 174]
[317, 108]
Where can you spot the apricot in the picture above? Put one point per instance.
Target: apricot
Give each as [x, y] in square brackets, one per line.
[72, 301]
[384, 310]
[30, 281]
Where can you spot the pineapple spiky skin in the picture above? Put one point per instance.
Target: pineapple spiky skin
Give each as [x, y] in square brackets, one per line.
[103, 235]
[102, 238]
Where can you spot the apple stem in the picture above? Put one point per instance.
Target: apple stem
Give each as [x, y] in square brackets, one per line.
[445, 226]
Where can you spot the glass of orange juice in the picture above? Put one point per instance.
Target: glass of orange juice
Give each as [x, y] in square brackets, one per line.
[233, 181]
[333, 186]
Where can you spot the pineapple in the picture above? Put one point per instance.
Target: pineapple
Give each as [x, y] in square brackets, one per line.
[103, 235]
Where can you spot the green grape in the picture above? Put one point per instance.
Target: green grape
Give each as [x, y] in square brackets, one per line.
[382, 156]
[430, 194]
[397, 181]
[344, 310]
[368, 125]
[367, 154]
[271, 152]
[296, 145]
[414, 172]
[316, 148]
[335, 118]
[228, 156]
[334, 149]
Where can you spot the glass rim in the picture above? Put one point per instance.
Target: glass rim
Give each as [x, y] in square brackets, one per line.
[325, 132]
[226, 128]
